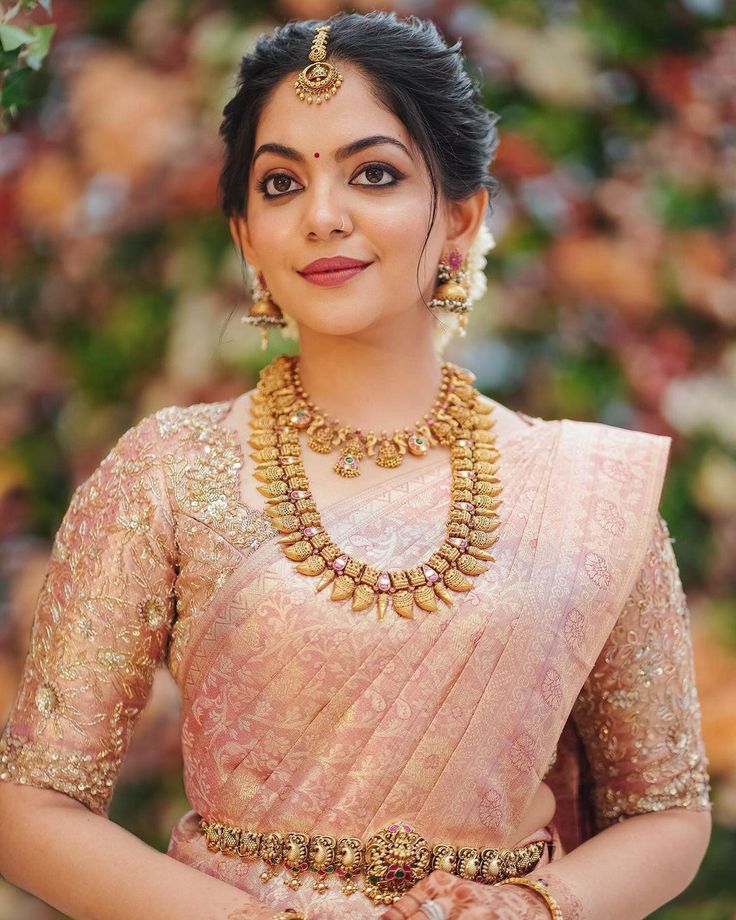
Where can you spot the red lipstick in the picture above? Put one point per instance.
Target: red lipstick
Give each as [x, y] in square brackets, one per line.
[332, 271]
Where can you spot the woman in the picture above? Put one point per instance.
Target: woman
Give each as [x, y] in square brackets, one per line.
[434, 660]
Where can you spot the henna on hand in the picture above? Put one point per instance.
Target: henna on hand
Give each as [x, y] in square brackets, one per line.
[462, 899]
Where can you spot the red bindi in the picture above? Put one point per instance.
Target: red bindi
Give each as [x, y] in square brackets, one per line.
[316, 154]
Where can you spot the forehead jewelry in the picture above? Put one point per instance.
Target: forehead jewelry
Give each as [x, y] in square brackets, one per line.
[319, 81]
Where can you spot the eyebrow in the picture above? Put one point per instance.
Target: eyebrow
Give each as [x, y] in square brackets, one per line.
[342, 153]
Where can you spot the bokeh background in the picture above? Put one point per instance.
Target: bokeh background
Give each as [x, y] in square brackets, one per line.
[611, 291]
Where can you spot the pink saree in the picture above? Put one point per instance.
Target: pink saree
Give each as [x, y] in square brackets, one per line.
[300, 715]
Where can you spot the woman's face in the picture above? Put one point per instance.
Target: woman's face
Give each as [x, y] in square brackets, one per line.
[380, 194]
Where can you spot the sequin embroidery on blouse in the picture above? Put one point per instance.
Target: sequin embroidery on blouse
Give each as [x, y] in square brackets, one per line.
[99, 629]
[208, 485]
[202, 462]
[638, 713]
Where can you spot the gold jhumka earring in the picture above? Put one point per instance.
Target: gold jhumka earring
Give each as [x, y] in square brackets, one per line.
[452, 292]
[264, 313]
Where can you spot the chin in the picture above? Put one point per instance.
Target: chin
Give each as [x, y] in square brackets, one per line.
[337, 320]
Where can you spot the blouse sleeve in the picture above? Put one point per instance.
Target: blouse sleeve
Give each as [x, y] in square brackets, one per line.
[99, 629]
[638, 713]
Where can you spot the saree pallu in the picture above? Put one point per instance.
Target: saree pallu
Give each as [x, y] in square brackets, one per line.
[300, 715]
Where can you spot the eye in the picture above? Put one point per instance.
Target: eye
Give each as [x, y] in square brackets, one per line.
[281, 182]
[373, 169]
[373, 173]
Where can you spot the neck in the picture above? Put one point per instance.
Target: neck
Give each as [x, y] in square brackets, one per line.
[373, 382]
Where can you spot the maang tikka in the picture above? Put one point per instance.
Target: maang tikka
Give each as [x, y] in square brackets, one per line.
[319, 81]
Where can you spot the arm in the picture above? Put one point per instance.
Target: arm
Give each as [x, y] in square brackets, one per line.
[639, 718]
[100, 629]
[90, 868]
[623, 873]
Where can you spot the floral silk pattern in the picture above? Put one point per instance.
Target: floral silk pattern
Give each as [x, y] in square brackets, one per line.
[569, 662]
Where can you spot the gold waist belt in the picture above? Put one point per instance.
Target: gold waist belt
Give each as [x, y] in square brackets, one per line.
[391, 861]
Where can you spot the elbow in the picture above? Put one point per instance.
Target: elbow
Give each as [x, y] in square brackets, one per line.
[697, 828]
[21, 806]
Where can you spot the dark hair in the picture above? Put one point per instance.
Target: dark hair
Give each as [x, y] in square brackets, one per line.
[412, 72]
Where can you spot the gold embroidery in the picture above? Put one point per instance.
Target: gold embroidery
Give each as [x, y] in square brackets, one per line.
[208, 485]
[88, 776]
[99, 628]
[638, 712]
[202, 460]
[109, 611]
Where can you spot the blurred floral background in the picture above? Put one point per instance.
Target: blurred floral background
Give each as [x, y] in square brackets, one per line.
[611, 291]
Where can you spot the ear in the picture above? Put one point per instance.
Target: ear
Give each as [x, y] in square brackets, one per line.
[241, 236]
[464, 219]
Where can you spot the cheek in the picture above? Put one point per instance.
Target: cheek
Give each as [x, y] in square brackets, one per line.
[398, 237]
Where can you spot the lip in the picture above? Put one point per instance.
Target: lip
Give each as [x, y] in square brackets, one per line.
[334, 278]
[333, 264]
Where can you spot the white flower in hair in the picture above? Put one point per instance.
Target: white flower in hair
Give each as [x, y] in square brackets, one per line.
[484, 241]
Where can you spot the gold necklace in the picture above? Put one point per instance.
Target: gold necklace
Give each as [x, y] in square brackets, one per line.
[464, 426]
[325, 433]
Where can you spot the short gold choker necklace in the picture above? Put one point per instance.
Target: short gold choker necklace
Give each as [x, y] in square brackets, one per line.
[464, 425]
[389, 450]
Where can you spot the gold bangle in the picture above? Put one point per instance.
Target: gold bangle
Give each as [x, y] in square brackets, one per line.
[289, 915]
[541, 889]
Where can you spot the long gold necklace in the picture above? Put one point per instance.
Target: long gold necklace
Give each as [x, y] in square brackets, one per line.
[325, 433]
[464, 425]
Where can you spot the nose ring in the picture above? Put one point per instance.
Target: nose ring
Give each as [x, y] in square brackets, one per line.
[342, 225]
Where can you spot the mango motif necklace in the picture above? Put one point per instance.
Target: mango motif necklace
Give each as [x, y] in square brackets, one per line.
[462, 423]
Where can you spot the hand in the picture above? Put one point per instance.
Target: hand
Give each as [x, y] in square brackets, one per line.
[465, 900]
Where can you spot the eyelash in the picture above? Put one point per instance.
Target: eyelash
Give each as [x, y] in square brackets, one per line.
[261, 183]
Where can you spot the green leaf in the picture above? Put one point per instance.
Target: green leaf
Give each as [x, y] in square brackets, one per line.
[11, 37]
[39, 47]
[15, 88]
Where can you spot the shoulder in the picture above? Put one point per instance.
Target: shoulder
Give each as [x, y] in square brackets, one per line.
[170, 438]
[625, 449]
[509, 423]
[191, 422]
[604, 439]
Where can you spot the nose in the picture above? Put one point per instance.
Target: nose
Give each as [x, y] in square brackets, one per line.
[324, 212]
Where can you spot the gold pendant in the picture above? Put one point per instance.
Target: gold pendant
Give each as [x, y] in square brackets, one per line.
[468, 431]
[351, 454]
[389, 455]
